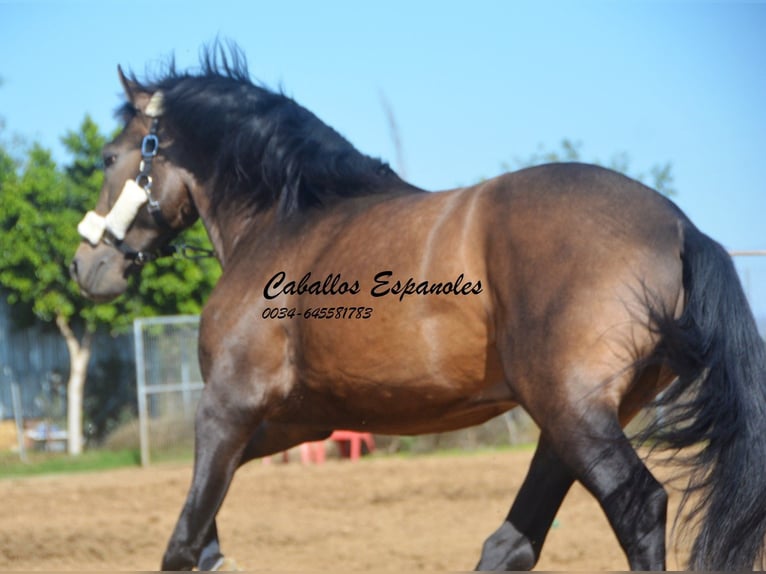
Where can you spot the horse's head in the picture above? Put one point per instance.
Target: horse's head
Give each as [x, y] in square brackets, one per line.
[145, 201]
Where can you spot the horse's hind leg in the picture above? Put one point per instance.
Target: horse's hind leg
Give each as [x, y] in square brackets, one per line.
[594, 450]
[599, 455]
[516, 545]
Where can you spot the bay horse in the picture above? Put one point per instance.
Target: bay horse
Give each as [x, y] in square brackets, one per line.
[351, 299]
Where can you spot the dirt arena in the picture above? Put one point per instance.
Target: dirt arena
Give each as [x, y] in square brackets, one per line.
[382, 513]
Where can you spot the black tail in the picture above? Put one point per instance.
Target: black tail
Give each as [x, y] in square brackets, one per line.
[718, 406]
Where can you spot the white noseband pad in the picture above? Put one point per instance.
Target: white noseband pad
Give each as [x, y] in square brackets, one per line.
[125, 209]
[92, 227]
[119, 219]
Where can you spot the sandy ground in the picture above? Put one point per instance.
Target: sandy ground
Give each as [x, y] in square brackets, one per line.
[382, 513]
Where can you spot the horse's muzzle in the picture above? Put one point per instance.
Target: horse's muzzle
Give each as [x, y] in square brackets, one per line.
[100, 272]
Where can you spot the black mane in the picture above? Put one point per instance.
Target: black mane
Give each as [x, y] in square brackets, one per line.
[256, 146]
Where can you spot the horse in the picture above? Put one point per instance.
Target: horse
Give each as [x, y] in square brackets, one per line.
[351, 299]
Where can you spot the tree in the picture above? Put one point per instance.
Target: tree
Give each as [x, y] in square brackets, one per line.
[660, 176]
[40, 206]
[36, 211]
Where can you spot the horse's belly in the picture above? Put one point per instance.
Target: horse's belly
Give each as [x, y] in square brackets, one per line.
[391, 409]
[400, 372]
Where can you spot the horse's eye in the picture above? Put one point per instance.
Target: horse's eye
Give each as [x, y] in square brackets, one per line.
[109, 159]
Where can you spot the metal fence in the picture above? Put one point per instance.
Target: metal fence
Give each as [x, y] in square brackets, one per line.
[168, 383]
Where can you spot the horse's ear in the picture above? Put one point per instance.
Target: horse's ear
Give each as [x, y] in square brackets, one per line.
[129, 86]
[134, 93]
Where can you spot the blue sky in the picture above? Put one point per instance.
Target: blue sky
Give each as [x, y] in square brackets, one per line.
[472, 85]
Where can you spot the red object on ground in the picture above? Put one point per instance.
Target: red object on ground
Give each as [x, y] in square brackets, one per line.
[353, 448]
[349, 442]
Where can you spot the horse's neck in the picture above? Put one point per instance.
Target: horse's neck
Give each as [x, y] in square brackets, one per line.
[229, 224]
[226, 226]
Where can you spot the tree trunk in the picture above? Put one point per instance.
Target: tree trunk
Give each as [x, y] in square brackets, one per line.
[79, 356]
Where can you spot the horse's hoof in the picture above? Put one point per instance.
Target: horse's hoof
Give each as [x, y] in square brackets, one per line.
[225, 565]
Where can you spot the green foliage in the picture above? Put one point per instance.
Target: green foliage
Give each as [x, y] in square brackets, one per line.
[8, 167]
[40, 206]
[178, 285]
[35, 207]
[659, 177]
[85, 147]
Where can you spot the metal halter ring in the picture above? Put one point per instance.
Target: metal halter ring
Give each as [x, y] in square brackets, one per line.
[145, 181]
[150, 145]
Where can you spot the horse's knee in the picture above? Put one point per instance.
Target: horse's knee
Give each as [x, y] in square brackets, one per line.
[507, 549]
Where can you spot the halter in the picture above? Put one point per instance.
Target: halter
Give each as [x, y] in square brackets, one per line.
[150, 146]
[111, 229]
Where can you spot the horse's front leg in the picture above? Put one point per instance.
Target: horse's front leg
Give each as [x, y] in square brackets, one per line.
[268, 438]
[221, 436]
